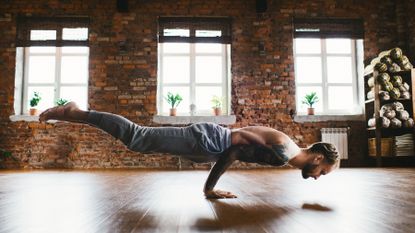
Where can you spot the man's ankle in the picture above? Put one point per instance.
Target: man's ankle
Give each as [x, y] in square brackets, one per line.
[82, 115]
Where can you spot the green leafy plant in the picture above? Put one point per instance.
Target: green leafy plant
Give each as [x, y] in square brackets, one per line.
[173, 100]
[310, 99]
[35, 99]
[216, 102]
[5, 154]
[61, 102]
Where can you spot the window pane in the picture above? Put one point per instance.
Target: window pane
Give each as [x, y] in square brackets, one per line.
[308, 70]
[176, 70]
[176, 32]
[204, 97]
[41, 69]
[208, 33]
[46, 95]
[42, 49]
[72, 49]
[75, 34]
[74, 69]
[208, 69]
[307, 46]
[176, 47]
[42, 34]
[339, 69]
[184, 93]
[339, 46]
[208, 48]
[302, 91]
[340, 98]
[77, 94]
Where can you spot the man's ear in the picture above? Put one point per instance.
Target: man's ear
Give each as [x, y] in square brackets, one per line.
[318, 158]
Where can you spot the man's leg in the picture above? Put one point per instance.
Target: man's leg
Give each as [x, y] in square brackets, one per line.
[173, 140]
[118, 126]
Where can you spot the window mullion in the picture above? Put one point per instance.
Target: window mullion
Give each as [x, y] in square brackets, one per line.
[354, 76]
[192, 68]
[161, 85]
[192, 74]
[297, 97]
[58, 65]
[228, 79]
[224, 79]
[25, 80]
[324, 73]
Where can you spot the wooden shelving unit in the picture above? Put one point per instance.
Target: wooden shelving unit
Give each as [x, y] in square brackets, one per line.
[372, 107]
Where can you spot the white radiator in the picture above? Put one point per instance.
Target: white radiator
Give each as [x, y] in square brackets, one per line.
[338, 137]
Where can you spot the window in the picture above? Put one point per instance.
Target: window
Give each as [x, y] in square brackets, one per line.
[328, 66]
[194, 61]
[56, 72]
[53, 61]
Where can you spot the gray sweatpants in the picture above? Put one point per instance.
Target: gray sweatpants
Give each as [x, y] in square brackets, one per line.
[201, 142]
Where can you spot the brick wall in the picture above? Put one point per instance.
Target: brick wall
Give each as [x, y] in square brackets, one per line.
[409, 8]
[124, 82]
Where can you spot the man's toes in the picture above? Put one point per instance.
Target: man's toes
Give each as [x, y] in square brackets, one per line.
[43, 115]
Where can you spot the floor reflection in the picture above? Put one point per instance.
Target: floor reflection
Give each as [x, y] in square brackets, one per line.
[233, 215]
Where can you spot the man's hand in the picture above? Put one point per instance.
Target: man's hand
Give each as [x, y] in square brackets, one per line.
[218, 194]
[224, 161]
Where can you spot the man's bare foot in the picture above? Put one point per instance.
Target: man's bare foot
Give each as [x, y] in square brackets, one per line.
[218, 194]
[67, 112]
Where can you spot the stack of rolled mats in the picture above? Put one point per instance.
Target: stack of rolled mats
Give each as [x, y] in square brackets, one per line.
[393, 115]
[392, 85]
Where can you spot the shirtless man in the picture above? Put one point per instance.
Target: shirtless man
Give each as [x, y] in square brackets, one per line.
[208, 142]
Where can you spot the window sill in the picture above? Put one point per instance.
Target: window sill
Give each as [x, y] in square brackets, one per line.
[321, 118]
[182, 120]
[172, 120]
[27, 118]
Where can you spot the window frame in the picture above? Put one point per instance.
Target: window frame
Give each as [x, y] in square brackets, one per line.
[357, 109]
[57, 84]
[225, 82]
[194, 24]
[24, 27]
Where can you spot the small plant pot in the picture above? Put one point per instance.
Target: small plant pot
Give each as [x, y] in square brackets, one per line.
[310, 111]
[33, 111]
[173, 111]
[217, 111]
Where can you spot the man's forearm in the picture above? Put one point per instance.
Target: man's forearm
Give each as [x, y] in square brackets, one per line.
[219, 168]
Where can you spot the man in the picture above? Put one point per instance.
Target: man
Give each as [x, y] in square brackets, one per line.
[208, 142]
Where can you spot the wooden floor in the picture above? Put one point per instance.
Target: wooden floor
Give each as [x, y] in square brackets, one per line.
[349, 200]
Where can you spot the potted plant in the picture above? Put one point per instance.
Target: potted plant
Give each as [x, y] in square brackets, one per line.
[7, 160]
[34, 102]
[4, 154]
[217, 105]
[173, 101]
[61, 102]
[310, 99]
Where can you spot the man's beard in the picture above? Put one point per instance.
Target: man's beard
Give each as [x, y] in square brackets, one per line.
[307, 169]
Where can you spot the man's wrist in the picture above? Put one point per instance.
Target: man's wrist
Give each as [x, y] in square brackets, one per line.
[206, 190]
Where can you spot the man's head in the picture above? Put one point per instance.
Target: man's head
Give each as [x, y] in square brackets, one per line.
[323, 159]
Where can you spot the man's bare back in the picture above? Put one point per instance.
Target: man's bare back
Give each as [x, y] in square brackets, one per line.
[261, 135]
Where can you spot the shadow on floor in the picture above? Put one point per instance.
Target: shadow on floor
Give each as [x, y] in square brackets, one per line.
[316, 207]
[233, 215]
[127, 221]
